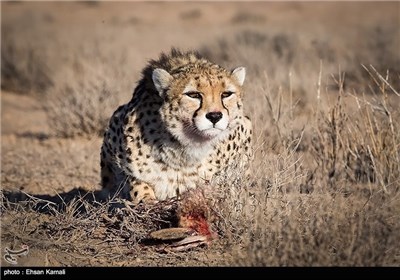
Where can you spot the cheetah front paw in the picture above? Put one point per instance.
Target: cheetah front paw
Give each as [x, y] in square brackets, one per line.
[142, 192]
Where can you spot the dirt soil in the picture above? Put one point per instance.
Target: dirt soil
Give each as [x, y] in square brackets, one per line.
[35, 162]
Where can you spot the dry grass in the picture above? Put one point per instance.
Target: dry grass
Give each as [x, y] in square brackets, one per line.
[23, 68]
[324, 189]
[83, 107]
[87, 229]
[332, 201]
[318, 230]
[360, 146]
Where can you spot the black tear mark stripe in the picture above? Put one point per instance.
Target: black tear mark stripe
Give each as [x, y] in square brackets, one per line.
[223, 105]
[198, 109]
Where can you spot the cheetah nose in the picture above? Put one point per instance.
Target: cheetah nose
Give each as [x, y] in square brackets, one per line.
[214, 117]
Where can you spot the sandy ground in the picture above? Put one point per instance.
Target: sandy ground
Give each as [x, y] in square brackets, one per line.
[37, 163]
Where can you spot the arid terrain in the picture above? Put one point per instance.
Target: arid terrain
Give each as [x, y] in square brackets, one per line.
[323, 92]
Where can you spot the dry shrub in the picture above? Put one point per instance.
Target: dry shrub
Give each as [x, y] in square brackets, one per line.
[360, 146]
[382, 52]
[273, 54]
[81, 81]
[246, 17]
[192, 14]
[293, 62]
[89, 86]
[327, 197]
[236, 198]
[318, 230]
[81, 225]
[24, 66]
[83, 103]
[271, 223]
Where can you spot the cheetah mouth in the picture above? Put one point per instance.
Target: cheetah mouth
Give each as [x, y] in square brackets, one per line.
[193, 133]
[211, 132]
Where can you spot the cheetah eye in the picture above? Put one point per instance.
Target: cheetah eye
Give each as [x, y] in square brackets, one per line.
[194, 94]
[226, 94]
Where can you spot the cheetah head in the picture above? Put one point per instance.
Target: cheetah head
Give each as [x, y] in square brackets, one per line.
[200, 105]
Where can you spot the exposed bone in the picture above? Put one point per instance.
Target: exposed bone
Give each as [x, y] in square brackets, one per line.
[171, 233]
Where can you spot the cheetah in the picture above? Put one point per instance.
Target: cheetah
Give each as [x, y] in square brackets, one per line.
[184, 124]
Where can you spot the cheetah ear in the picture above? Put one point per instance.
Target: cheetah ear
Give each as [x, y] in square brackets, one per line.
[239, 74]
[161, 80]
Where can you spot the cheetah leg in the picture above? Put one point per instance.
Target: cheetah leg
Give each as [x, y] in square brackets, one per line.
[116, 182]
[142, 192]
